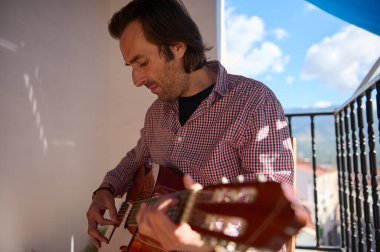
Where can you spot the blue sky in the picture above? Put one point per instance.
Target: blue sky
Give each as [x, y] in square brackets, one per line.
[308, 57]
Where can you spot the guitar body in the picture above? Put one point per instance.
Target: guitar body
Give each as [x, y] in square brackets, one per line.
[153, 183]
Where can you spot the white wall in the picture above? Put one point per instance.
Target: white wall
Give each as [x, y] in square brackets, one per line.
[69, 112]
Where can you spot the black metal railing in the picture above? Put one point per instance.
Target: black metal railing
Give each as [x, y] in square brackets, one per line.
[356, 140]
[358, 168]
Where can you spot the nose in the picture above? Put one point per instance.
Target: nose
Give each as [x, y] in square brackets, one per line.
[139, 78]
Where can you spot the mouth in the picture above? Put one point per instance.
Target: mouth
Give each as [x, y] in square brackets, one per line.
[153, 88]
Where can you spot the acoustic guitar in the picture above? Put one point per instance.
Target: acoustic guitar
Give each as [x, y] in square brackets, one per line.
[232, 217]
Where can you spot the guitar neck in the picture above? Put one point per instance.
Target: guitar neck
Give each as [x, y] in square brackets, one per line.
[174, 213]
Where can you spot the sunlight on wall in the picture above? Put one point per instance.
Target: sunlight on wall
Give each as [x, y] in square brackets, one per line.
[8, 45]
[72, 243]
[36, 112]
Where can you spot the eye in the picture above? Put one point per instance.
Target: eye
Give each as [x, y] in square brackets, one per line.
[144, 63]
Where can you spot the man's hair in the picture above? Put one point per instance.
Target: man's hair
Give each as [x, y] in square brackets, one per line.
[164, 22]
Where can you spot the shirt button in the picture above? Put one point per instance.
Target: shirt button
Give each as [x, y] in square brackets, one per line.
[179, 139]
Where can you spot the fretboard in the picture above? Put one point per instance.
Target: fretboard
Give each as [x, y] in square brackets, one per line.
[174, 213]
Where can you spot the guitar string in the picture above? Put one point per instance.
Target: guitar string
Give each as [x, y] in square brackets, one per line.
[131, 218]
[202, 197]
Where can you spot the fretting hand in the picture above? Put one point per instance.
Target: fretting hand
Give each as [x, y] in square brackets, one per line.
[154, 223]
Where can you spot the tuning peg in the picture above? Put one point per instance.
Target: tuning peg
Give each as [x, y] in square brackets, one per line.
[240, 178]
[262, 178]
[212, 241]
[231, 246]
[219, 248]
[224, 180]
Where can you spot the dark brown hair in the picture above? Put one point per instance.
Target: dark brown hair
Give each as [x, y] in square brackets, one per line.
[165, 22]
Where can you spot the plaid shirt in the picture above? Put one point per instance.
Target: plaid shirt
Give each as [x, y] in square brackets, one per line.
[239, 129]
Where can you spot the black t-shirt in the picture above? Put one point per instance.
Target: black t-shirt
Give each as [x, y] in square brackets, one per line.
[187, 105]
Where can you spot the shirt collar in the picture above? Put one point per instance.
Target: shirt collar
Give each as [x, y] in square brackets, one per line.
[221, 84]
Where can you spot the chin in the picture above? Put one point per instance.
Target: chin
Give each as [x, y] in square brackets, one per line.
[165, 98]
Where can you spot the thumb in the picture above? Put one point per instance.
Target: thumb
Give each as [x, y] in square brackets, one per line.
[113, 212]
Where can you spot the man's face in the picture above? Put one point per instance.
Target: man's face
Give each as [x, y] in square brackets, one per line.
[150, 68]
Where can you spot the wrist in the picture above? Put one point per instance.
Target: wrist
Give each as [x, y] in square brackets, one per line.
[104, 187]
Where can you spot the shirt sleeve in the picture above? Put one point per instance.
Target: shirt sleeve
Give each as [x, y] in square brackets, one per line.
[267, 149]
[121, 177]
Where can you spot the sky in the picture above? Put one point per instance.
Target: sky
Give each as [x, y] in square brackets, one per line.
[309, 58]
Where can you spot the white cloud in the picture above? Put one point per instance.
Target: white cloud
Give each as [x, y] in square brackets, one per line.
[322, 104]
[280, 33]
[247, 52]
[242, 31]
[343, 59]
[289, 80]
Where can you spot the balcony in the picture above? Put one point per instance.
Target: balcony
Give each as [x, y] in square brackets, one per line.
[345, 213]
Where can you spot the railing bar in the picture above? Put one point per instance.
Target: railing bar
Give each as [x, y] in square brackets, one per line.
[309, 114]
[320, 248]
[358, 199]
[369, 74]
[373, 169]
[363, 166]
[378, 106]
[339, 167]
[378, 119]
[314, 163]
[344, 188]
[290, 125]
[378, 123]
[351, 193]
[360, 92]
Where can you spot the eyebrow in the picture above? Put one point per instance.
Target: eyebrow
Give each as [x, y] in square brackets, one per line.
[134, 59]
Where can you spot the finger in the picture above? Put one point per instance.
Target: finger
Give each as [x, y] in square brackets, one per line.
[96, 214]
[95, 236]
[124, 248]
[103, 221]
[147, 214]
[190, 183]
[140, 213]
[113, 212]
[95, 241]
[166, 203]
[161, 228]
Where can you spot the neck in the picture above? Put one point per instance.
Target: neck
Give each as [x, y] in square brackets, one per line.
[199, 80]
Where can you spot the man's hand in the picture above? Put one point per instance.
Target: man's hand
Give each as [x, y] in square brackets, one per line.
[102, 201]
[154, 223]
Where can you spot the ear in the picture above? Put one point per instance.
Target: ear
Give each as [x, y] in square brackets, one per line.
[179, 49]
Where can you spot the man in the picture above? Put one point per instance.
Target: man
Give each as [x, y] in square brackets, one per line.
[205, 122]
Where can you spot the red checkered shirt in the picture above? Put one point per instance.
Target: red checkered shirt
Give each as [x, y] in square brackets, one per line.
[239, 129]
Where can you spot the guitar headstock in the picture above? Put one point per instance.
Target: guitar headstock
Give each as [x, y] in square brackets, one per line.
[242, 215]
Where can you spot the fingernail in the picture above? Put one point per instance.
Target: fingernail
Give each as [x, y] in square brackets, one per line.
[191, 180]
